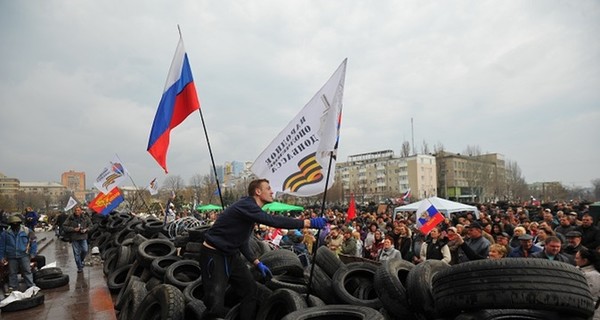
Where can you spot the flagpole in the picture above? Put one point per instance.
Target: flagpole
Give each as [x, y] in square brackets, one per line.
[212, 159]
[135, 186]
[316, 245]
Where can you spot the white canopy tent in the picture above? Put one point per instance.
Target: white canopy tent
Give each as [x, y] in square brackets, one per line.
[445, 206]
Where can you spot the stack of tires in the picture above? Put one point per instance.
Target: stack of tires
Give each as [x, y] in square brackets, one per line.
[49, 278]
[156, 277]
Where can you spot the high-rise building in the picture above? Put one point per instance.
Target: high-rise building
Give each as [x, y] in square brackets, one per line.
[75, 183]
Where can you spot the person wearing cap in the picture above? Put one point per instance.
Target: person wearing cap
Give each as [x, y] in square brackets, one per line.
[590, 234]
[552, 248]
[77, 227]
[573, 242]
[225, 252]
[18, 246]
[526, 249]
[476, 247]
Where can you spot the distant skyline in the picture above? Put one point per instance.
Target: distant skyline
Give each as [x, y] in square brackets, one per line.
[81, 83]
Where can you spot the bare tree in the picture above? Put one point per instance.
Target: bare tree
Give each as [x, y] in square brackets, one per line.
[516, 186]
[472, 150]
[425, 148]
[438, 148]
[405, 151]
[596, 189]
[174, 183]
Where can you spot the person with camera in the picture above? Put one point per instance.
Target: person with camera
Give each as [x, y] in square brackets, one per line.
[77, 227]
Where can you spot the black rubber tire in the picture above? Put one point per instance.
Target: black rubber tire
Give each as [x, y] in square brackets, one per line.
[164, 302]
[154, 248]
[279, 304]
[55, 281]
[193, 247]
[110, 262]
[514, 314]
[194, 291]
[197, 234]
[42, 273]
[283, 262]
[298, 284]
[133, 301]
[153, 282]
[183, 273]
[258, 247]
[233, 313]
[537, 284]
[328, 261]
[122, 296]
[139, 271]
[116, 280]
[195, 309]
[390, 280]
[181, 241]
[123, 256]
[160, 265]
[24, 304]
[335, 312]
[322, 285]
[354, 285]
[418, 288]
[314, 301]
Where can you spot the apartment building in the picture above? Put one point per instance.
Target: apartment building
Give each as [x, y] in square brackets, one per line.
[378, 176]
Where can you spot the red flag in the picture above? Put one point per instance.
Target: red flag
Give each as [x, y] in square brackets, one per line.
[351, 209]
[105, 203]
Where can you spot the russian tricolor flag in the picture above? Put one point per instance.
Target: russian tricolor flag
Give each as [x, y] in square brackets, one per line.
[178, 101]
[428, 217]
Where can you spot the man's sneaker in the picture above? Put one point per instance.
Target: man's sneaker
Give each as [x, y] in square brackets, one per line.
[79, 270]
[8, 292]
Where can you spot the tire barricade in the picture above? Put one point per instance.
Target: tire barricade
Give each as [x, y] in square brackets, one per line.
[154, 273]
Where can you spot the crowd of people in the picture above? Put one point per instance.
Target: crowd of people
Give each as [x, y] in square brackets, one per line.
[560, 232]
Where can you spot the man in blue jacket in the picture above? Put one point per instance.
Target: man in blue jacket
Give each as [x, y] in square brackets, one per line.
[220, 258]
[18, 246]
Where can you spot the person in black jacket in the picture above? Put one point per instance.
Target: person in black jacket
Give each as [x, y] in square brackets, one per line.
[220, 258]
[590, 233]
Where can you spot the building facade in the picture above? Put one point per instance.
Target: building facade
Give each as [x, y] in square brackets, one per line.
[75, 183]
[378, 176]
[53, 192]
[474, 178]
[9, 187]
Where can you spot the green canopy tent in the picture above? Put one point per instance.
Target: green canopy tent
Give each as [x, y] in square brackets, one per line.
[209, 207]
[281, 207]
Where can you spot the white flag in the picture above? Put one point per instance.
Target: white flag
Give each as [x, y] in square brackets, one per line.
[153, 187]
[72, 202]
[111, 176]
[296, 162]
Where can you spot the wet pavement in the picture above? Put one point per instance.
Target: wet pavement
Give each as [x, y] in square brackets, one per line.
[86, 297]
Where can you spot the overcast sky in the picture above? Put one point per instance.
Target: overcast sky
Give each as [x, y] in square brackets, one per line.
[80, 81]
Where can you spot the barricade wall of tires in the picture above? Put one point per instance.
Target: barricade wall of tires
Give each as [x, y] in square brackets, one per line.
[153, 273]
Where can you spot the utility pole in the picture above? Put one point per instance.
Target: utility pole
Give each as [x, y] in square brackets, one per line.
[412, 134]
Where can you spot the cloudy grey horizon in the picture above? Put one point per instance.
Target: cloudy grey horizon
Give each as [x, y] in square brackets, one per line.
[80, 82]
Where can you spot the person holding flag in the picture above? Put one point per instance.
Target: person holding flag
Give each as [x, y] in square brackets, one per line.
[220, 258]
[77, 226]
